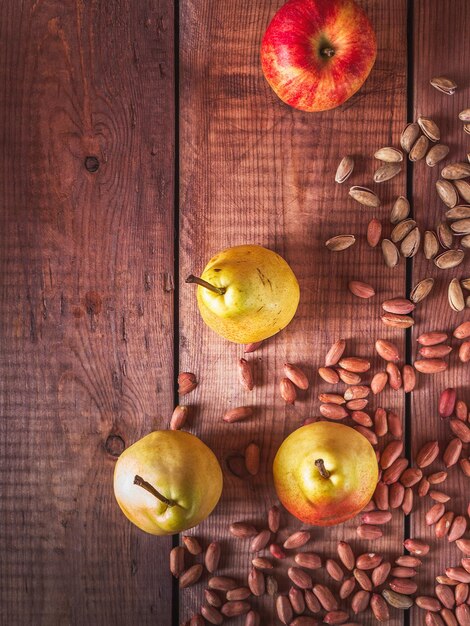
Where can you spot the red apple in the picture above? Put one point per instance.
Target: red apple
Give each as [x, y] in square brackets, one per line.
[325, 473]
[316, 54]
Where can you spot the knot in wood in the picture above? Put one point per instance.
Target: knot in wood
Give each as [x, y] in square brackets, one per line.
[92, 164]
[114, 445]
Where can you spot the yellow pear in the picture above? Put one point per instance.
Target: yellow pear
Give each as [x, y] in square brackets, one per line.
[167, 482]
[325, 473]
[247, 293]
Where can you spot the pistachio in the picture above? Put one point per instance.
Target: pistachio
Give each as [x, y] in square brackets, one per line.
[402, 229]
[340, 242]
[459, 212]
[455, 296]
[463, 187]
[390, 252]
[465, 241]
[345, 169]
[445, 235]
[455, 171]
[461, 227]
[410, 244]
[431, 244]
[437, 152]
[389, 155]
[364, 196]
[429, 128]
[448, 259]
[464, 115]
[447, 192]
[386, 172]
[419, 149]
[466, 129]
[421, 290]
[397, 600]
[409, 135]
[400, 210]
[444, 85]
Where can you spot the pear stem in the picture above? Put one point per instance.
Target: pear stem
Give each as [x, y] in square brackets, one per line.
[203, 283]
[138, 480]
[327, 52]
[322, 469]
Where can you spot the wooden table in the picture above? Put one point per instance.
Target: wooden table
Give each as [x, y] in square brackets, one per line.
[139, 138]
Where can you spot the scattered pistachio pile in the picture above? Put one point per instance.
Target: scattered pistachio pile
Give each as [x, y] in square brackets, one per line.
[446, 246]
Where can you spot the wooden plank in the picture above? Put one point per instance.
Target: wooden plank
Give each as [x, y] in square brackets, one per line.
[441, 47]
[255, 171]
[86, 304]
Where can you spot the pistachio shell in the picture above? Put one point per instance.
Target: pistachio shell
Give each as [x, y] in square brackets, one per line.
[461, 227]
[464, 115]
[447, 192]
[421, 290]
[444, 85]
[409, 135]
[386, 172]
[431, 244]
[400, 210]
[340, 242]
[444, 234]
[459, 212]
[410, 244]
[390, 252]
[463, 187]
[465, 241]
[365, 196]
[419, 149]
[402, 229]
[449, 258]
[429, 128]
[437, 152]
[455, 295]
[455, 171]
[345, 169]
[389, 155]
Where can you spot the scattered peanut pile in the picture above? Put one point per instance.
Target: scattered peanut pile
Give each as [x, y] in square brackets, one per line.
[366, 580]
[359, 582]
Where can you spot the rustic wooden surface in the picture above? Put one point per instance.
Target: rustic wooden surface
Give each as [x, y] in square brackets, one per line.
[86, 361]
[254, 170]
[445, 24]
[87, 265]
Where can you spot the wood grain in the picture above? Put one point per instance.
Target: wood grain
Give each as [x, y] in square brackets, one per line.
[86, 307]
[254, 170]
[441, 45]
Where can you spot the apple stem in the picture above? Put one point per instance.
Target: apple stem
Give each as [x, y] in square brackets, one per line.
[138, 480]
[203, 283]
[322, 469]
[327, 52]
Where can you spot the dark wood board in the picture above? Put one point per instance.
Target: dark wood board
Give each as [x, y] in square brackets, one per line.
[87, 265]
[254, 170]
[440, 47]
[86, 307]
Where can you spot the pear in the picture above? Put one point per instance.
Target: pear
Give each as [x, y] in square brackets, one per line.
[167, 482]
[247, 293]
[325, 473]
